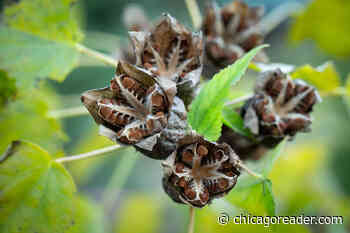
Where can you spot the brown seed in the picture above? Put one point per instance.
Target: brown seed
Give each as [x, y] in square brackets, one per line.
[179, 167]
[218, 155]
[204, 196]
[135, 134]
[223, 183]
[157, 100]
[128, 82]
[187, 157]
[190, 194]
[202, 150]
[160, 114]
[182, 182]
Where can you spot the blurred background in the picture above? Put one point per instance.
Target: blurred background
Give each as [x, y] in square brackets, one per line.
[311, 177]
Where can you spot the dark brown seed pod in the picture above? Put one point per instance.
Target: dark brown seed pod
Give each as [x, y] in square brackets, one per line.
[230, 32]
[280, 107]
[172, 54]
[199, 171]
[134, 110]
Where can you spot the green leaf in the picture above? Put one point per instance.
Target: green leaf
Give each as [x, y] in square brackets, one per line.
[147, 208]
[325, 77]
[205, 115]
[256, 198]
[27, 118]
[327, 23]
[253, 194]
[36, 192]
[233, 120]
[38, 39]
[8, 89]
[35, 58]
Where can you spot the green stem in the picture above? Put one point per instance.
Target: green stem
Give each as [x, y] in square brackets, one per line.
[68, 112]
[195, 13]
[250, 172]
[192, 219]
[90, 154]
[97, 55]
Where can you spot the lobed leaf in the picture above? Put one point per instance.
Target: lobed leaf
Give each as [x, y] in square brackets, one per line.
[36, 192]
[205, 115]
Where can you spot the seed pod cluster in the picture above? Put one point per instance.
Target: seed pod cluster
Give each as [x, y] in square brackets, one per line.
[280, 107]
[199, 171]
[230, 32]
[172, 54]
[134, 110]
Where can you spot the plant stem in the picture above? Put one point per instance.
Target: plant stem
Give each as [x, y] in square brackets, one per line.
[239, 99]
[97, 55]
[195, 13]
[90, 154]
[192, 217]
[277, 16]
[68, 112]
[250, 172]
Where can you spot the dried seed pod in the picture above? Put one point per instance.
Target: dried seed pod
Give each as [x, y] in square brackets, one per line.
[280, 107]
[230, 32]
[199, 171]
[134, 110]
[172, 54]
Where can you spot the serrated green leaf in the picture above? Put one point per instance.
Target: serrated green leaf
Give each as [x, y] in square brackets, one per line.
[38, 39]
[35, 57]
[233, 120]
[205, 115]
[36, 192]
[326, 22]
[8, 89]
[325, 77]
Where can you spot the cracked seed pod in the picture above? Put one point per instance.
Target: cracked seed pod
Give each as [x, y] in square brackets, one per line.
[280, 107]
[199, 171]
[230, 32]
[172, 54]
[134, 110]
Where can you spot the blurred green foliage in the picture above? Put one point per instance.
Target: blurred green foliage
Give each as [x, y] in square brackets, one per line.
[327, 23]
[8, 89]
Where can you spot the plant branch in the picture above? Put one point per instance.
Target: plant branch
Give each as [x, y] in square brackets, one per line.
[277, 16]
[192, 217]
[239, 99]
[250, 172]
[97, 55]
[195, 13]
[68, 112]
[90, 154]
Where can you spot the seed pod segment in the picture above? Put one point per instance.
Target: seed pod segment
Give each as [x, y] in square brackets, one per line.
[172, 54]
[199, 171]
[230, 32]
[280, 107]
[133, 110]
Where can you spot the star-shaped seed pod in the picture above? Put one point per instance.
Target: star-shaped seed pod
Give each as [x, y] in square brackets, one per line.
[134, 110]
[280, 107]
[199, 171]
[172, 54]
[230, 32]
